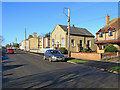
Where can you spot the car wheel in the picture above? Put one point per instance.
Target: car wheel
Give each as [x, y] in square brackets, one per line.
[44, 58]
[50, 59]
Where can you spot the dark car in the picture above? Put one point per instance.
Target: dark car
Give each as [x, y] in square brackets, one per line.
[10, 51]
[53, 55]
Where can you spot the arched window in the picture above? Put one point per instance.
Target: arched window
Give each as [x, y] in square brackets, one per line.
[53, 42]
[62, 42]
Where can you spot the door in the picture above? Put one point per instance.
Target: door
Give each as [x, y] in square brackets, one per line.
[81, 45]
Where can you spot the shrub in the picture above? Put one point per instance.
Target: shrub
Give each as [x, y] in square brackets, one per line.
[63, 50]
[111, 48]
[84, 50]
[89, 49]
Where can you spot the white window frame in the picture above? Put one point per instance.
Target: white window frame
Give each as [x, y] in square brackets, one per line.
[101, 34]
[110, 33]
[72, 44]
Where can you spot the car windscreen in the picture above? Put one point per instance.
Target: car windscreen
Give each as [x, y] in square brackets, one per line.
[54, 52]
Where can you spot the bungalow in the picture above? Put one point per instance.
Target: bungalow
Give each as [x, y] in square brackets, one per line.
[79, 37]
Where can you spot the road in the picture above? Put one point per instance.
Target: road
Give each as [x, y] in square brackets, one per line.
[28, 70]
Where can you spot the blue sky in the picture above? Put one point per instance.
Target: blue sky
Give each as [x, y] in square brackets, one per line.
[42, 17]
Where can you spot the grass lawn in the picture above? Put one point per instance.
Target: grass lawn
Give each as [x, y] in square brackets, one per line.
[115, 68]
[78, 61]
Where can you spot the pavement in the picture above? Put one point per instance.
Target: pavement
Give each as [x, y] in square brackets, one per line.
[101, 65]
[28, 70]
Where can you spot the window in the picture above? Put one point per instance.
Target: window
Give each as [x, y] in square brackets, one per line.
[53, 42]
[110, 33]
[101, 34]
[73, 42]
[80, 43]
[62, 42]
[88, 43]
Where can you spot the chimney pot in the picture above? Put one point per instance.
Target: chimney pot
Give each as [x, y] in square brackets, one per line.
[73, 25]
[107, 19]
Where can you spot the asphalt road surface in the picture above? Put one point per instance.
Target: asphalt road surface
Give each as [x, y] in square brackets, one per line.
[28, 70]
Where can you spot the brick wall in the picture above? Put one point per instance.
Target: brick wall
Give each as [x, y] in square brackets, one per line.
[90, 56]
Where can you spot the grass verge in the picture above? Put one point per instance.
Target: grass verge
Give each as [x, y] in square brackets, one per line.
[115, 68]
[78, 61]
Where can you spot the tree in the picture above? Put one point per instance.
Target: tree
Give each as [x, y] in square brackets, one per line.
[16, 45]
[111, 48]
[47, 34]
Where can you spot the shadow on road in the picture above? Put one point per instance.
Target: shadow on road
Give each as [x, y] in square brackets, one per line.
[5, 57]
[82, 77]
[7, 62]
[19, 53]
[7, 67]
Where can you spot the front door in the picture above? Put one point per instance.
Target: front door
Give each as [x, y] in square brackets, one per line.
[81, 45]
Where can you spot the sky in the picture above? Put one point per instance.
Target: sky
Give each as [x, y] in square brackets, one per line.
[42, 17]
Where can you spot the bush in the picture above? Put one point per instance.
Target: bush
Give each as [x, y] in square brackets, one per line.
[63, 50]
[111, 48]
[84, 50]
[89, 49]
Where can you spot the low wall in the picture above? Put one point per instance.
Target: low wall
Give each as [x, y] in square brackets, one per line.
[90, 56]
[43, 50]
[110, 55]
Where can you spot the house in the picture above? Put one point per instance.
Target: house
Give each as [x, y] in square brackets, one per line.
[32, 42]
[22, 45]
[44, 42]
[79, 37]
[109, 34]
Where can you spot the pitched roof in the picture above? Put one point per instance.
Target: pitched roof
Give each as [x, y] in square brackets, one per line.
[113, 24]
[77, 31]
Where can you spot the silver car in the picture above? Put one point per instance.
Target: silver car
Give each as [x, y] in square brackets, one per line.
[53, 55]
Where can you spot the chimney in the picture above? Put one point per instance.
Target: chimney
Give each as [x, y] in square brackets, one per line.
[107, 19]
[73, 25]
[34, 34]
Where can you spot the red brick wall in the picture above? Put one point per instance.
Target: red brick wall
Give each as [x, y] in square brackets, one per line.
[110, 54]
[90, 56]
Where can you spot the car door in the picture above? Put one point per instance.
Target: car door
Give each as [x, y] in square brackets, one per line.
[47, 54]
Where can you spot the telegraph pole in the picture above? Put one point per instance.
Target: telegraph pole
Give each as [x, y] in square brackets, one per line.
[68, 29]
[68, 32]
[16, 40]
[25, 39]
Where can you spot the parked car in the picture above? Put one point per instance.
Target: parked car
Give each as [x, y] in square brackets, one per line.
[10, 51]
[53, 55]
